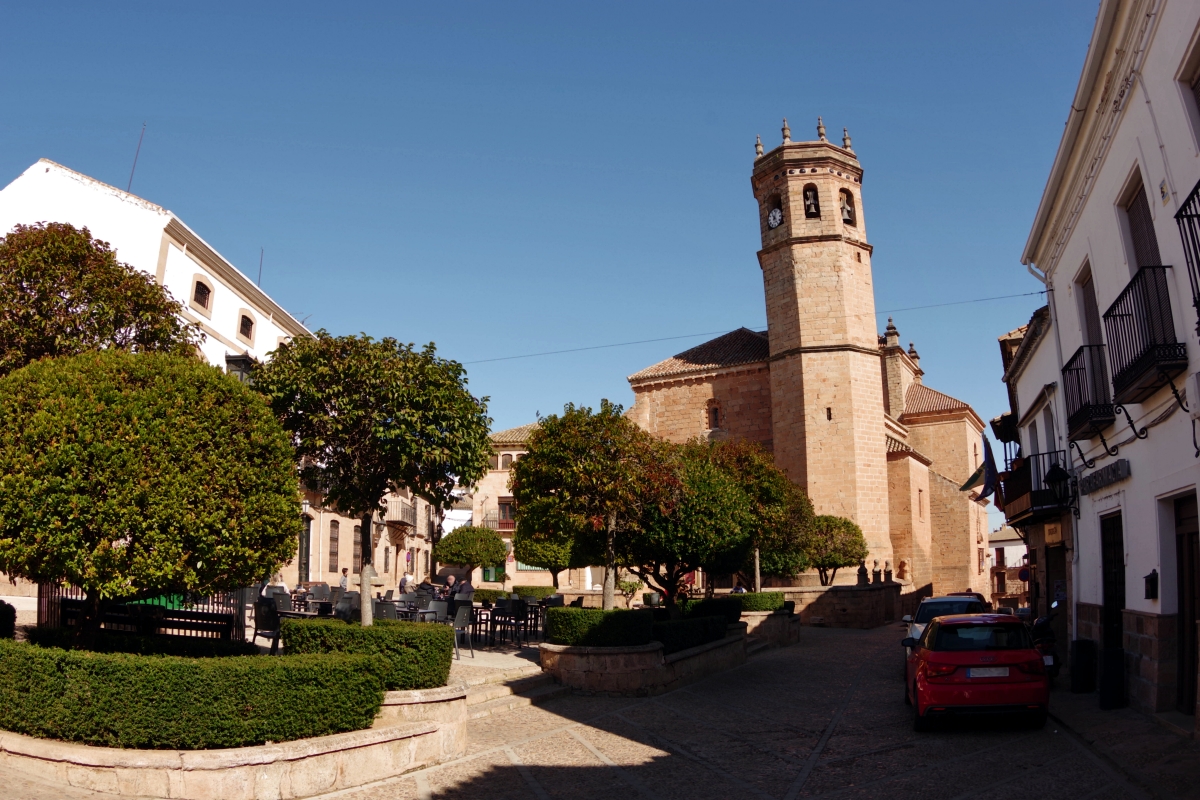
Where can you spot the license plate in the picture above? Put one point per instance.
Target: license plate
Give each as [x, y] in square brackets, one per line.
[1048, 660]
[987, 672]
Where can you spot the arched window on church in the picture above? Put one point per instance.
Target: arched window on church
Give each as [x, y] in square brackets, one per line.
[506, 461]
[714, 417]
[812, 205]
[847, 203]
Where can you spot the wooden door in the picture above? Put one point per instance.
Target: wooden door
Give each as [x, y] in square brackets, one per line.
[1187, 560]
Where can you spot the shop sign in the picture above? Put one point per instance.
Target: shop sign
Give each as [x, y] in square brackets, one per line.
[1105, 476]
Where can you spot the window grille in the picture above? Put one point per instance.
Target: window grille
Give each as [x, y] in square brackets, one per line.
[1188, 220]
[1141, 230]
[334, 534]
[357, 568]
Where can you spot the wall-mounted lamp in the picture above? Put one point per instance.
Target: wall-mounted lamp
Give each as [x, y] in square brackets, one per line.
[305, 506]
[1152, 585]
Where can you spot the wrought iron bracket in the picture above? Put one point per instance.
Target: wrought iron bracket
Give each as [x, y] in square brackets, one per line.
[1174, 391]
[1142, 434]
[1086, 462]
[1197, 446]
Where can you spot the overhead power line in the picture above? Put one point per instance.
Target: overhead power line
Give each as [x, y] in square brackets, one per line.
[716, 333]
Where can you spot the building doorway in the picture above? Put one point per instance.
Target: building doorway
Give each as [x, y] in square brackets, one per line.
[1112, 566]
[1056, 590]
[1187, 560]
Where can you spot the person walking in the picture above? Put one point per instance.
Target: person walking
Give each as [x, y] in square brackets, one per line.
[345, 582]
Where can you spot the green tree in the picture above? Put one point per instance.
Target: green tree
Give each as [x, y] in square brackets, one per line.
[548, 538]
[63, 292]
[832, 543]
[781, 511]
[368, 417]
[135, 474]
[469, 546]
[706, 525]
[598, 469]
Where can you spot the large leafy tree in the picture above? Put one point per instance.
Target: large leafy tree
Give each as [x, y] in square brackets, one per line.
[470, 546]
[832, 543]
[781, 511]
[368, 417]
[599, 470]
[135, 474]
[547, 537]
[63, 292]
[708, 524]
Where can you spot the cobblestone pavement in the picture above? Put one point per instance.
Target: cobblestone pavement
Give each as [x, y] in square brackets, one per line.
[823, 718]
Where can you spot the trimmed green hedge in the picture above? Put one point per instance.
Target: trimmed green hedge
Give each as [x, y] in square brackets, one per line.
[591, 627]
[760, 601]
[535, 591]
[8, 620]
[418, 654]
[680, 634]
[112, 642]
[488, 595]
[123, 700]
[730, 608]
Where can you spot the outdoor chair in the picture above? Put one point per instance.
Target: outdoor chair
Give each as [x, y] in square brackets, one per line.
[442, 609]
[789, 607]
[407, 598]
[266, 623]
[385, 610]
[320, 593]
[462, 625]
[389, 594]
[555, 601]
[512, 621]
[335, 594]
[423, 601]
[282, 602]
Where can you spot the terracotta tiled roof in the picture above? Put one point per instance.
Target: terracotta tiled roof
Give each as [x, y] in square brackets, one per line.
[920, 399]
[894, 445]
[742, 346]
[518, 435]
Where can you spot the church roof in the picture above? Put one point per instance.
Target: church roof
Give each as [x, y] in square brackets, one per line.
[517, 435]
[894, 445]
[920, 399]
[742, 346]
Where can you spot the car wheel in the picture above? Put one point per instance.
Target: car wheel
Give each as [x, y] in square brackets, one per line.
[920, 723]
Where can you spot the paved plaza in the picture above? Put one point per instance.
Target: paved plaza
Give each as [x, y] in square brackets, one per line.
[824, 718]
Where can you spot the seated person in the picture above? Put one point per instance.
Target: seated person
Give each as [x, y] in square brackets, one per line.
[465, 587]
[451, 586]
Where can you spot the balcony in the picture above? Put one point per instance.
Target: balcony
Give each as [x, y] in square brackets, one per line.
[1143, 349]
[1027, 496]
[1188, 220]
[401, 512]
[1089, 399]
[492, 520]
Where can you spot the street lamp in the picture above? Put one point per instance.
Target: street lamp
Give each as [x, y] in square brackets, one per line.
[305, 506]
[1059, 482]
[240, 367]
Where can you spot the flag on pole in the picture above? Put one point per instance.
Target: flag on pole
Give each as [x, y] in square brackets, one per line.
[986, 476]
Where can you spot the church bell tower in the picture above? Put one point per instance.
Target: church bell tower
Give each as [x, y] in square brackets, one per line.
[826, 384]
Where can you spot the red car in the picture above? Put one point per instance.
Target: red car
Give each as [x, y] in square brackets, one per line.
[973, 664]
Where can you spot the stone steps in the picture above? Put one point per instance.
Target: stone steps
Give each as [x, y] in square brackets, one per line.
[755, 645]
[526, 692]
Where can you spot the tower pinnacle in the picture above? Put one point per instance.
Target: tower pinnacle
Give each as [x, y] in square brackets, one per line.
[787, 132]
[846, 139]
[758, 149]
[821, 130]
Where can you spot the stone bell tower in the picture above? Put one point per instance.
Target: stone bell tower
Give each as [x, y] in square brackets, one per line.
[826, 383]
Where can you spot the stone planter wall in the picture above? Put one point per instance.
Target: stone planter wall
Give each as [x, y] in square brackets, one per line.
[846, 606]
[638, 671]
[777, 630]
[414, 729]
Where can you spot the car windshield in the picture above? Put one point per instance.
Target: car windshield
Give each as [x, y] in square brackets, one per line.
[993, 636]
[928, 611]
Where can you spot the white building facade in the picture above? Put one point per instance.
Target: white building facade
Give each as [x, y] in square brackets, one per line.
[1102, 382]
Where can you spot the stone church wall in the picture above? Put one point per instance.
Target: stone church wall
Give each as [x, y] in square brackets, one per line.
[677, 410]
[956, 526]
[908, 492]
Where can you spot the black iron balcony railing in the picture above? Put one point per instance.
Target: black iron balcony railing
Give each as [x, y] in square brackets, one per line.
[1188, 220]
[493, 520]
[1142, 347]
[1089, 398]
[1027, 496]
[401, 511]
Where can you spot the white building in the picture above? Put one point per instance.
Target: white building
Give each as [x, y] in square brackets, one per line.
[1101, 380]
[236, 316]
[238, 319]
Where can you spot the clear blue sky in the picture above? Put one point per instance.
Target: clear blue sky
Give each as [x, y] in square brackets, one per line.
[505, 179]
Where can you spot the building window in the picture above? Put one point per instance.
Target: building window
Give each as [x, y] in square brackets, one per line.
[333, 546]
[246, 327]
[505, 461]
[412, 560]
[357, 563]
[387, 559]
[1000, 557]
[526, 568]
[921, 503]
[980, 553]
[493, 461]
[506, 518]
[714, 417]
[493, 574]
[202, 295]
[1000, 588]
[812, 205]
[848, 215]
[1141, 230]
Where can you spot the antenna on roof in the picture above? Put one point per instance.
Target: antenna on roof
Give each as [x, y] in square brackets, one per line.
[260, 255]
[135, 157]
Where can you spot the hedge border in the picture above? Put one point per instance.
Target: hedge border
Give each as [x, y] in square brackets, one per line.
[592, 627]
[418, 654]
[167, 702]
